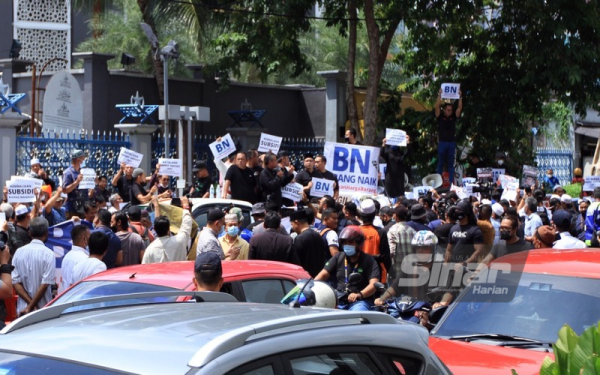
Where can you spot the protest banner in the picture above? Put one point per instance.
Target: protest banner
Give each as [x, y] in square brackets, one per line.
[591, 182]
[130, 158]
[21, 191]
[468, 180]
[355, 167]
[383, 170]
[321, 187]
[510, 191]
[506, 179]
[292, 191]
[38, 182]
[269, 143]
[485, 174]
[224, 147]
[529, 175]
[395, 137]
[170, 167]
[450, 90]
[89, 179]
[497, 172]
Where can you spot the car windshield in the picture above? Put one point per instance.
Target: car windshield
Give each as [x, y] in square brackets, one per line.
[541, 306]
[96, 289]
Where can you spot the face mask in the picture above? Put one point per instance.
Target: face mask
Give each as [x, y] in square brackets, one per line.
[347, 139]
[350, 250]
[505, 235]
[549, 175]
[500, 162]
[83, 164]
[233, 231]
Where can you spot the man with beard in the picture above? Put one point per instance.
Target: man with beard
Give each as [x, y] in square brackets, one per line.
[240, 180]
[509, 242]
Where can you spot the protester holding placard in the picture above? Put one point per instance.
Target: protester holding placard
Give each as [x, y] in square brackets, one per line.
[447, 133]
[240, 181]
[305, 176]
[394, 174]
[123, 181]
[322, 172]
[139, 195]
[53, 209]
[71, 180]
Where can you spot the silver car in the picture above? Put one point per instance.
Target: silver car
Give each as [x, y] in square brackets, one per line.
[216, 336]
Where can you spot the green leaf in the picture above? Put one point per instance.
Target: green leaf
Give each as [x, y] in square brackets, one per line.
[567, 341]
[549, 367]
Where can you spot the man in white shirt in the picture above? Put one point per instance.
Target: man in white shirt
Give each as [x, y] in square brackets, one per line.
[532, 221]
[562, 222]
[35, 269]
[98, 245]
[167, 248]
[80, 236]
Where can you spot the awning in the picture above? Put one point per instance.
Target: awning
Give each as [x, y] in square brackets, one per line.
[588, 131]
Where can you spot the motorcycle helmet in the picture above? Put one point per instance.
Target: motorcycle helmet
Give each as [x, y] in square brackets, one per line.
[424, 239]
[352, 233]
[312, 293]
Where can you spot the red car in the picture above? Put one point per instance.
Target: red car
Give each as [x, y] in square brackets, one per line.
[480, 335]
[247, 280]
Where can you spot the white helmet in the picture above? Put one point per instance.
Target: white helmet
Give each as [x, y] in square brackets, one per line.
[316, 293]
[424, 238]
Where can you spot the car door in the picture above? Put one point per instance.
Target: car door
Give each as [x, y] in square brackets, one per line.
[259, 290]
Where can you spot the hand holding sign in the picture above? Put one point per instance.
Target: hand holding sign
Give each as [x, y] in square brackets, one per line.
[130, 158]
[88, 179]
[395, 137]
[269, 143]
[321, 187]
[170, 167]
[222, 147]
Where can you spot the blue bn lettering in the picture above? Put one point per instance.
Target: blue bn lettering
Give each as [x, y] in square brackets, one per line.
[342, 158]
[322, 186]
[222, 146]
[451, 90]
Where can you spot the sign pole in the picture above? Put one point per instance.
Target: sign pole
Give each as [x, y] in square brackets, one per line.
[166, 88]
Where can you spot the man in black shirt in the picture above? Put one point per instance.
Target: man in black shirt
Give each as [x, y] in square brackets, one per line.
[272, 244]
[394, 173]
[350, 137]
[465, 242]
[258, 214]
[202, 180]
[271, 180]
[321, 172]
[304, 177]
[22, 226]
[240, 179]
[139, 195]
[123, 181]
[447, 134]
[309, 245]
[442, 232]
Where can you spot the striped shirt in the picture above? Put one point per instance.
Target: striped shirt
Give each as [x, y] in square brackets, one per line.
[400, 237]
[88, 267]
[73, 257]
[208, 241]
[34, 265]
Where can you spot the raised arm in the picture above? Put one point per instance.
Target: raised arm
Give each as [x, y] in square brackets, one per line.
[438, 104]
[460, 104]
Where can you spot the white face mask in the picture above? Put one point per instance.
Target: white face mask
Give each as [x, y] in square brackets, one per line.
[500, 162]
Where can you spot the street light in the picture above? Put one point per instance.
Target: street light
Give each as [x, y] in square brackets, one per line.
[170, 50]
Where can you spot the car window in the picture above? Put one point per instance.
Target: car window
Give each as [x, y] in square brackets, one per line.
[227, 288]
[288, 285]
[201, 219]
[96, 289]
[21, 364]
[264, 290]
[359, 363]
[400, 362]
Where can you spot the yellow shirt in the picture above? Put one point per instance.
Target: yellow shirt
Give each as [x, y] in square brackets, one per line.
[244, 247]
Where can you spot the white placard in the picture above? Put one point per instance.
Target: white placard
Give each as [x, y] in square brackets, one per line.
[468, 180]
[355, 167]
[38, 182]
[420, 190]
[506, 179]
[180, 184]
[450, 90]
[321, 187]
[89, 179]
[21, 191]
[63, 104]
[269, 143]
[286, 224]
[170, 167]
[395, 137]
[222, 148]
[130, 158]
[2, 218]
[468, 189]
[383, 170]
[497, 172]
[510, 191]
[591, 182]
[292, 191]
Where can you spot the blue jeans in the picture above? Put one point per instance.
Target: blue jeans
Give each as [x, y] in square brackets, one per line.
[362, 305]
[446, 152]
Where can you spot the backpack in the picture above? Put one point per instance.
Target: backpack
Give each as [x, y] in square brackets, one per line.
[144, 236]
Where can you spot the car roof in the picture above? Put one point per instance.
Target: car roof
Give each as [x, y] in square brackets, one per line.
[575, 263]
[179, 274]
[158, 338]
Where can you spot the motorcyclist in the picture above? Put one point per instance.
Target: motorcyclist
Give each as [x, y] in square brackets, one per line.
[354, 296]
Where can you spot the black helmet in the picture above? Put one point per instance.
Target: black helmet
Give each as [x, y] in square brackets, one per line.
[352, 233]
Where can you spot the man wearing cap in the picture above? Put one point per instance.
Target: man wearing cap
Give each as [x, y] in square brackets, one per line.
[244, 233]
[308, 245]
[562, 221]
[497, 213]
[208, 240]
[305, 176]
[202, 180]
[258, 214]
[322, 172]
[272, 244]
[168, 248]
[71, 180]
[34, 270]
[232, 243]
[465, 242]
[123, 181]
[22, 227]
[35, 169]
[208, 272]
[240, 181]
[53, 209]
[418, 218]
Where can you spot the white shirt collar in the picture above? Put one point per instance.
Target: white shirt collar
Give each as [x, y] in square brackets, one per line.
[79, 248]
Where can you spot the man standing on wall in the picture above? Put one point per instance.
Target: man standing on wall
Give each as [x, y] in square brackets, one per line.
[447, 133]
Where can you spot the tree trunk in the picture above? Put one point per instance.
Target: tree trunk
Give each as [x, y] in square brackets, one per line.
[350, 100]
[156, 61]
[370, 107]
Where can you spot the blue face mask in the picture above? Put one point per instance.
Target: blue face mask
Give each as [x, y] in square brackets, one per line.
[350, 250]
[233, 231]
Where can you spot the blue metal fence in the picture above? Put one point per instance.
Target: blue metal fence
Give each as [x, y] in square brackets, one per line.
[559, 160]
[54, 151]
